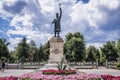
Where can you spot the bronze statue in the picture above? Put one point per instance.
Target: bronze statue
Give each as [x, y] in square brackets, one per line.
[56, 21]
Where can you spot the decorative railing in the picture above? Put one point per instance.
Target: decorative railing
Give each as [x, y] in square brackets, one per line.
[31, 65]
[25, 65]
[77, 65]
[112, 64]
[83, 65]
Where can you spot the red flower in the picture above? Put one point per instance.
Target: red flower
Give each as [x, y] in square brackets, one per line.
[110, 77]
[58, 72]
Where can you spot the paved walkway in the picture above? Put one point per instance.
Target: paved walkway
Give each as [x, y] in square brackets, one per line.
[102, 71]
[18, 72]
[15, 72]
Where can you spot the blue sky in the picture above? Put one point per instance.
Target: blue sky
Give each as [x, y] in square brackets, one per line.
[97, 20]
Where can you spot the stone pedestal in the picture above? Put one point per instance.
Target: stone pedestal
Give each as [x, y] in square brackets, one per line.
[56, 49]
[56, 53]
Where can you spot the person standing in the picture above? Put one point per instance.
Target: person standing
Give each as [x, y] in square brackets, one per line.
[3, 66]
[0, 65]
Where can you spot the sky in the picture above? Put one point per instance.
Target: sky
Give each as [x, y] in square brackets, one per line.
[97, 20]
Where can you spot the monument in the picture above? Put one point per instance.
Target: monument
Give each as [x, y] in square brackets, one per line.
[56, 44]
[56, 22]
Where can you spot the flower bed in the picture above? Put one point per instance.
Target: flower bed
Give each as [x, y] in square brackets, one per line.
[79, 76]
[9, 78]
[40, 76]
[110, 77]
[58, 72]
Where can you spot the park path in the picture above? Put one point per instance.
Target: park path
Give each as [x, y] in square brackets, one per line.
[18, 72]
[14, 72]
[102, 71]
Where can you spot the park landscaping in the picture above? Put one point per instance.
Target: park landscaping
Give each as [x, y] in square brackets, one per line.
[78, 76]
[74, 76]
[58, 72]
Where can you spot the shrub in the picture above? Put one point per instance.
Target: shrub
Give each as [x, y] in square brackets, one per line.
[61, 65]
[118, 66]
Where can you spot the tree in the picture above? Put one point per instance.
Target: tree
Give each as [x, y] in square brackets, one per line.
[69, 36]
[92, 54]
[4, 52]
[46, 49]
[43, 52]
[102, 57]
[39, 55]
[110, 51]
[74, 47]
[22, 50]
[32, 51]
[118, 47]
[13, 57]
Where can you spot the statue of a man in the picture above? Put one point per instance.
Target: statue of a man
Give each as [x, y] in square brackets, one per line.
[56, 21]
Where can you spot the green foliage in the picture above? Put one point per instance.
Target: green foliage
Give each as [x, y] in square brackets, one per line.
[32, 51]
[46, 49]
[92, 54]
[29, 52]
[43, 52]
[74, 47]
[4, 58]
[110, 51]
[118, 47]
[4, 52]
[102, 57]
[69, 36]
[13, 57]
[74, 50]
[25, 79]
[61, 65]
[118, 66]
[39, 55]
[22, 50]
[22, 59]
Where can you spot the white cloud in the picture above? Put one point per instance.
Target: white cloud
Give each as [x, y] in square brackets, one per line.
[89, 13]
[47, 6]
[30, 35]
[4, 14]
[97, 45]
[113, 4]
[112, 35]
[89, 18]
[13, 43]
[22, 21]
